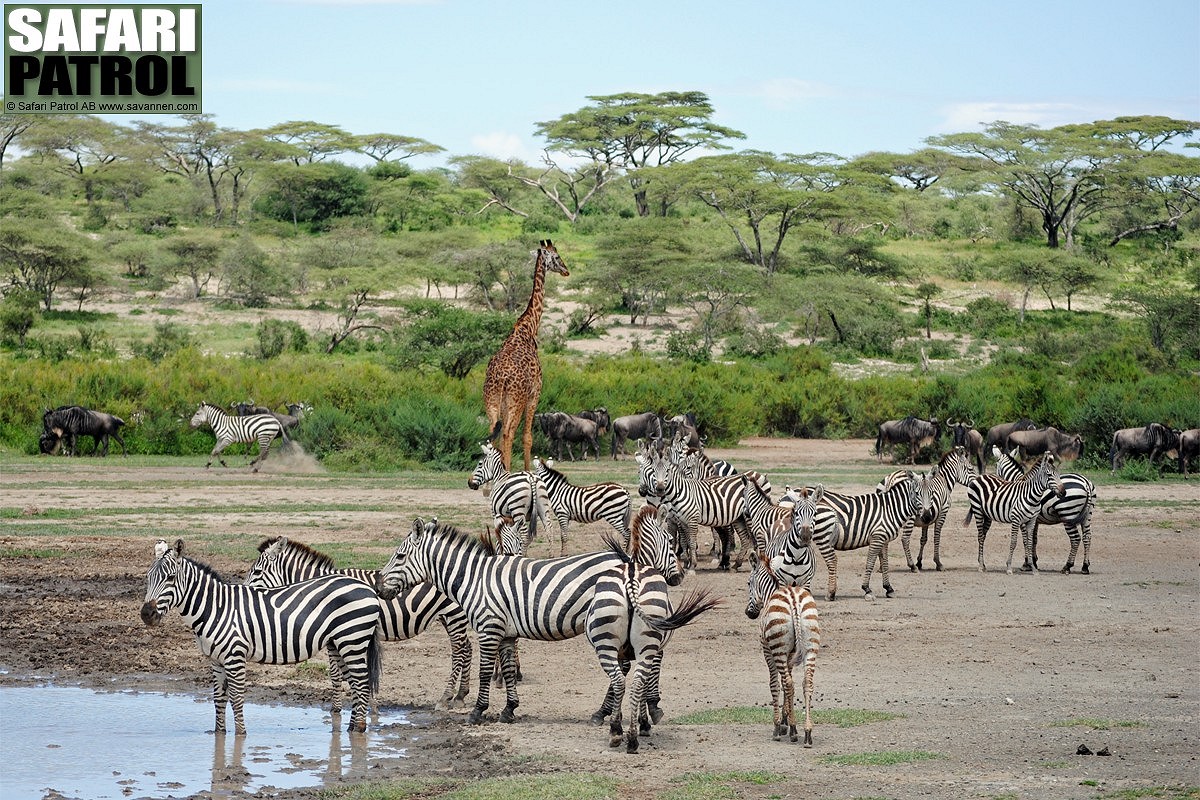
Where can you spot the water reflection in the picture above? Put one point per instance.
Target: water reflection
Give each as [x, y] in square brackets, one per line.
[116, 745]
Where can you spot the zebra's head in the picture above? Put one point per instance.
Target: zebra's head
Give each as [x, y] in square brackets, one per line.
[958, 464]
[162, 591]
[511, 537]
[921, 495]
[1045, 475]
[402, 572]
[489, 467]
[650, 544]
[201, 416]
[269, 569]
[761, 584]
[804, 513]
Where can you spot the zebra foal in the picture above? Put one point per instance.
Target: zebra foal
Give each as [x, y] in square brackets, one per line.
[505, 597]
[282, 561]
[608, 502]
[234, 624]
[789, 631]
[228, 429]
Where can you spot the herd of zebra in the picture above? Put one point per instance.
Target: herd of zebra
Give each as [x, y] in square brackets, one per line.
[294, 602]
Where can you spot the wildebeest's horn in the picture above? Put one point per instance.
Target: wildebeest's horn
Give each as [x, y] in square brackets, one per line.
[970, 423]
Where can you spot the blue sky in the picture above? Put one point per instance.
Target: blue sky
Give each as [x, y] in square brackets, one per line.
[844, 77]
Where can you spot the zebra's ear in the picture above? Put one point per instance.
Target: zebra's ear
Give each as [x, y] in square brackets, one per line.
[178, 547]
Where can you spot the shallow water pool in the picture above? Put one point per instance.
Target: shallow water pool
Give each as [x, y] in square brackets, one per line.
[120, 745]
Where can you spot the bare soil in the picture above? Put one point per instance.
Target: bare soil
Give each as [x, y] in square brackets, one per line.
[991, 674]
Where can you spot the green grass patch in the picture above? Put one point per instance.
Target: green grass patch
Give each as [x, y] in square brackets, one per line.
[1097, 724]
[538, 787]
[1164, 792]
[35, 552]
[715, 785]
[392, 790]
[882, 758]
[748, 715]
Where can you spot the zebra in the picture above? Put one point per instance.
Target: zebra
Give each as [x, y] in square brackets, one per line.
[504, 597]
[630, 620]
[789, 630]
[954, 468]
[1073, 510]
[717, 502]
[848, 522]
[788, 543]
[235, 624]
[991, 498]
[599, 501]
[519, 495]
[229, 429]
[282, 561]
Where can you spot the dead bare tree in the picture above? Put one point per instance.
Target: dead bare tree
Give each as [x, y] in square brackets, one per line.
[348, 320]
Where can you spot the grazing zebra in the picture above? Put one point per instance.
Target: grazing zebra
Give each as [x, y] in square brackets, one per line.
[282, 561]
[848, 522]
[520, 496]
[1018, 502]
[1073, 510]
[229, 429]
[716, 502]
[790, 631]
[954, 468]
[235, 624]
[599, 501]
[790, 549]
[505, 597]
[630, 620]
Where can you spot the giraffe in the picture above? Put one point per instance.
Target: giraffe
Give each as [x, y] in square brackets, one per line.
[514, 375]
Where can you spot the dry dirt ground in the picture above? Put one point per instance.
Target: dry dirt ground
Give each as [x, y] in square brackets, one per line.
[993, 675]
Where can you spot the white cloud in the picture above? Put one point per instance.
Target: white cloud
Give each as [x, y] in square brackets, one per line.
[780, 93]
[504, 145]
[971, 116]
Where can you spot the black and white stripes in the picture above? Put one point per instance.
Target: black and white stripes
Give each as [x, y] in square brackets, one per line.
[261, 428]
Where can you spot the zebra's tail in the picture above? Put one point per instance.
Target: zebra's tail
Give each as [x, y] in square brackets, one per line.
[375, 659]
[695, 603]
[970, 514]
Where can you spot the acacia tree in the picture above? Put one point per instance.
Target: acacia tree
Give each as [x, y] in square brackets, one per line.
[39, 257]
[82, 147]
[382, 147]
[630, 131]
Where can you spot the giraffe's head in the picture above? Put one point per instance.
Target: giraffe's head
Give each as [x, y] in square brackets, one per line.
[548, 255]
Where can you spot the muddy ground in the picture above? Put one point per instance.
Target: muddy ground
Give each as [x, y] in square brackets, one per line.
[991, 675]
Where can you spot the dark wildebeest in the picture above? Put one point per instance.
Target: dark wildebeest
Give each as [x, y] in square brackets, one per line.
[561, 428]
[965, 436]
[598, 415]
[1153, 440]
[1065, 446]
[914, 432]
[689, 427]
[1189, 448]
[66, 423]
[288, 421]
[635, 426]
[997, 435]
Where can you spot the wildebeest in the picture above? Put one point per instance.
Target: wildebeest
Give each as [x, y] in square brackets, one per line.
[647, 425]
[1153, 440]
[688, 425]
[288, 421]
[65, 423]
[914, 432]
[1189, 448]
[598, 415]
[997, 435]
[965, 436]
[562, 428]
[1065, 446]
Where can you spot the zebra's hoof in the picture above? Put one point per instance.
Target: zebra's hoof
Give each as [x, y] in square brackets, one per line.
[631, 744]
[1084, 570]
[888, 591]
[656, 714]
[913, 568]
[475, 717]
[939, 567]
[508, 716]
[1027, 567]
[598, 718]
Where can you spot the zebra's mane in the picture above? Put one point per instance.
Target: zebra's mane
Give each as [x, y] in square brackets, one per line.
[553, 471]
[205, 568]
[635, 529]
[448, 531]
[316, 556]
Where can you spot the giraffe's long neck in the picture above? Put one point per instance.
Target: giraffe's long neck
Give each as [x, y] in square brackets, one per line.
[531, 319]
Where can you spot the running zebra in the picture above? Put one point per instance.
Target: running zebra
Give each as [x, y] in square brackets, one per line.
[1073, 510]
[505, 597]
[630, 620]
[228, 429]
[848, 522]
[282, 561]
[716, 502]
[1018, 503]
[235, 624]
[790, 631]
[519, 496]
[954, 468]
[599, 501]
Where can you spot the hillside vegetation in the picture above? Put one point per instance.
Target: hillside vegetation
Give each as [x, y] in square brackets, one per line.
[1013, 272]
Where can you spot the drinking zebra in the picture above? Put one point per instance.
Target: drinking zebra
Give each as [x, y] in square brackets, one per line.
[599, 501]
[235, 624]
[282, 561]
[228, 429]
[789, 630]
[1073, 510]
[1018, 503]
[505, 597]
[954, 468]
[630, 620]
[848, 522]
[519, 496]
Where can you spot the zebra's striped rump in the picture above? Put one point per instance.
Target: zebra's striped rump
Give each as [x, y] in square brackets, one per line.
[1072, 509]
[505, 597]
[283, 561]
[234, 624]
